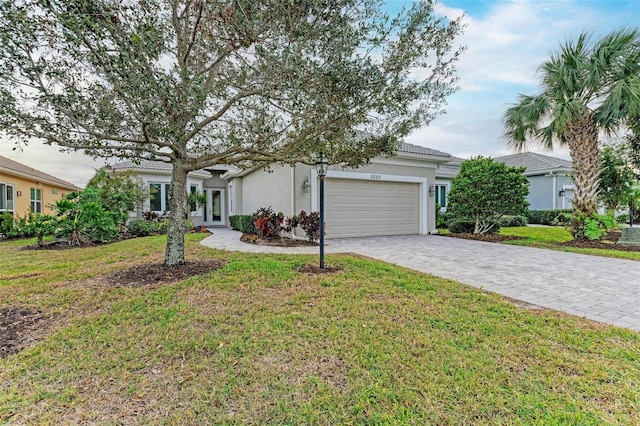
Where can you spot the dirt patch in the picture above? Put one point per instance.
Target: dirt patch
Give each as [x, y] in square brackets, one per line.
[276, 242]
[154, 274]
[315, 269]
[17, 328]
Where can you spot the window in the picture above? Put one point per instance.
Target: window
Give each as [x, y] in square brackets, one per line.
[192, 190]
[441, 195]
[230, 198]
[6, 197]
[159, 197]
[36, 200]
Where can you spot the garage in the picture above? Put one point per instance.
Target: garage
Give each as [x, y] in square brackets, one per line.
[357, 208]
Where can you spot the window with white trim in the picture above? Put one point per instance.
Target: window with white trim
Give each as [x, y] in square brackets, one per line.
[36, 200]
[441, 195]
[159, 197]
[6, 197]
[193, 189]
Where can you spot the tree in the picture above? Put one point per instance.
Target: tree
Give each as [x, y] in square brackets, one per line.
[586, 88]
[485, 190]
[119, 192]
[616, 178]
[238, 82]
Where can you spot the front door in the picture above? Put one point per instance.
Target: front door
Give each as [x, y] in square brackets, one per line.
[214, 207]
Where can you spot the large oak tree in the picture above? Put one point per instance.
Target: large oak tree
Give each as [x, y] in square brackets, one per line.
[236, 82]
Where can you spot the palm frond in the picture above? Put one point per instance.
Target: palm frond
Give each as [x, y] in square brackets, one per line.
[522, 120]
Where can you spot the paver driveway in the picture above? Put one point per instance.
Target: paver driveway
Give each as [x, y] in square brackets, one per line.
[598, 288]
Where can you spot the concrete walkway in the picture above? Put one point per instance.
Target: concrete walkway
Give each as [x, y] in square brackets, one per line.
[599, 288]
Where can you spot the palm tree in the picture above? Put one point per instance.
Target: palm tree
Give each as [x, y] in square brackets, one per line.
[586, 88]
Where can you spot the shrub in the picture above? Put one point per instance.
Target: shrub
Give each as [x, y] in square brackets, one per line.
[484, 190]
[549, 217]
[441, 219]
[309, 222]
[141, 228]
[7, 226]
[511, 221]
[243, 223]
[268, 223]
[467, 226]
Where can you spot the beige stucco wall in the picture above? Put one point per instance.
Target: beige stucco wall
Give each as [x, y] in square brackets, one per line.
[270, 188]
[22, 203]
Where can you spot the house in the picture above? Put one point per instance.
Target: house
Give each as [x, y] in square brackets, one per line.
[24, 189]
[444, 176]
[388, 196]
[550, 183]
[155, 176]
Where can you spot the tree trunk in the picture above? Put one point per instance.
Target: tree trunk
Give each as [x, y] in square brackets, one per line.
[174, 253]
[582, 139]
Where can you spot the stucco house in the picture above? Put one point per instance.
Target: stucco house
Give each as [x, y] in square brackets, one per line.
[388, 196]
[550, 183]
[551, 186]
[24, 189]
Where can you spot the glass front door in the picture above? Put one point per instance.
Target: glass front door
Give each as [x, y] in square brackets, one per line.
[214, 208]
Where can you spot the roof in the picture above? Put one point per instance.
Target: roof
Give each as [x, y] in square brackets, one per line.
[155, 166]
[19, 169]
[536, 163]
[421, 150]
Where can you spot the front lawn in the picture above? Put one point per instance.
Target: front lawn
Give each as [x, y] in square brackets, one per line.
[549, 237]
[258, 342]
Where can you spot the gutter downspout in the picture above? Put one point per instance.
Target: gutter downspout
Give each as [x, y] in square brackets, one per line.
[555, 191]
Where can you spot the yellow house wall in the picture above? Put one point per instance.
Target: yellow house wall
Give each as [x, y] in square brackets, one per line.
[23, 185]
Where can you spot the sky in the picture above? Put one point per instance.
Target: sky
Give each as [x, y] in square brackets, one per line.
[506, 42]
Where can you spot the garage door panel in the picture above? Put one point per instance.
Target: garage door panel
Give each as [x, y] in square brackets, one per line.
[360, 208]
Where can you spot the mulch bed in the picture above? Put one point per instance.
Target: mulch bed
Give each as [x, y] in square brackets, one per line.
[17, 325]
[315, 269]
[607, 243]
[157, 273]
[276, 242]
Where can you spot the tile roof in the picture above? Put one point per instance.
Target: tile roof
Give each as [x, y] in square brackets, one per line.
[533, 162]
[13, 167]
[159, 166]
[421, 150]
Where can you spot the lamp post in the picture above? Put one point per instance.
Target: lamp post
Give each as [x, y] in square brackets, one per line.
[321, 167]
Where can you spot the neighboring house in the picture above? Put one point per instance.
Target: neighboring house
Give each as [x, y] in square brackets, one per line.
[24, 189]
[551, 186]
[389, 196]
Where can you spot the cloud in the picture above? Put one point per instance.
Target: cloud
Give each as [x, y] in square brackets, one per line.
[73, 167]
[506, 43]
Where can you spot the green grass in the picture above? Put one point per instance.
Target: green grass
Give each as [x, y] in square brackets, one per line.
[548, 237]
[256, 342]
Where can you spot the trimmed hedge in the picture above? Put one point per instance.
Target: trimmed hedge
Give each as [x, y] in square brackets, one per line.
[466, 226]
[549, 217]
[511, 221]
[243, 223]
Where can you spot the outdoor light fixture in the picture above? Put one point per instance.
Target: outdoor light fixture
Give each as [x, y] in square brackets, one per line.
[306, 184]
[432, 190]
[561, 193]
[322, 165]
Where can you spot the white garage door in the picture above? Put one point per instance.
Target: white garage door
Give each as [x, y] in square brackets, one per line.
[358, 208]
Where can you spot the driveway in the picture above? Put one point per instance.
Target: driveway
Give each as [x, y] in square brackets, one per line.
[601, 289]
